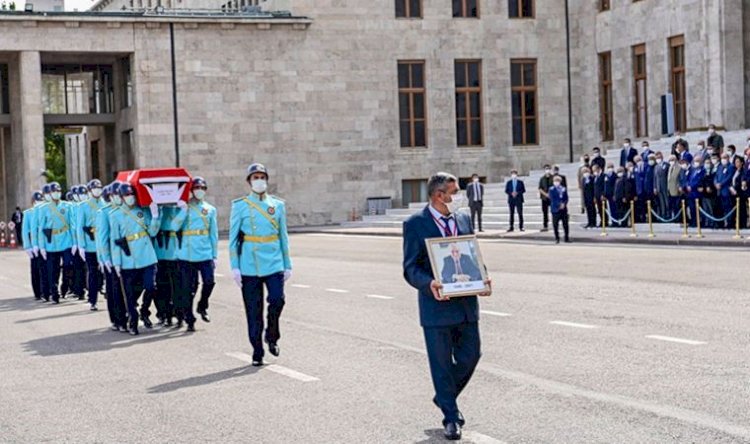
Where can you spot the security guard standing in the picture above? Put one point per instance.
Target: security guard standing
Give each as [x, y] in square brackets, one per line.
[133, 255]
[259, 254]
[86, 235]
[55, 238]
[167, 277]
[199, 249]
[29, 242]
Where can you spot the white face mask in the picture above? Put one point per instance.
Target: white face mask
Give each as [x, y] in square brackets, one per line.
[129, 200]
[476, 180]
[47, 198]
[55, 195]
[596, 155]
[711, 131]
[199, 194]
[610, 170]
[731, 153]
[684, 166]
[96, 192]
[548, 172]
[557, 183]
[715, 161]
[659, 161]
[514, 176]
[651, 162]
[259, 186]
[627, 145]
[586, 175]
[117, 200]
[725, 162]
[672, 163]
[620, 174]
[455, 204]
[84, 197]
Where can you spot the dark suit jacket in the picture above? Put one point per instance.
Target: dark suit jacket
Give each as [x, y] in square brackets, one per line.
[418, 273]
[627, 156]
[600, 162]
[558, 197]
[470, 193]
[520, 189]
[468, 267]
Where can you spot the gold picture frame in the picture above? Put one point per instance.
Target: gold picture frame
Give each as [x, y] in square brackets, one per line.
[457, 265]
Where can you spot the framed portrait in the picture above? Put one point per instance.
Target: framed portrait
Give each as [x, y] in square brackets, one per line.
[458, 265]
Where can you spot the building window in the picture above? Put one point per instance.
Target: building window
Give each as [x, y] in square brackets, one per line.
[413, 191]
[603, 5]
[4, 90]
[641, 95]
[412, 104]
[677, 81]
[468, 102]
[524, 105]
[409, 8]
[521, 8]
[466, 8]
[127, 86]
[77, 89]
[605, 96]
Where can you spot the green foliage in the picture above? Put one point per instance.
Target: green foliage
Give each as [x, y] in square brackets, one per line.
[54, 157]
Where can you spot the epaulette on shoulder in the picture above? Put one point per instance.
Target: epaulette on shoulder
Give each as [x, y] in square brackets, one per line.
[28, 210]
[238, 200]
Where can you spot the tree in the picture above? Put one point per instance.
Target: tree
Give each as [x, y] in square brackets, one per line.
[12, 6]
[54, 157]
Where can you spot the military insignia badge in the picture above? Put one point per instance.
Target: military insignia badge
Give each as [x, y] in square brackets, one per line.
[62, 210]
[205, 212]
[271, 210]
[140, 215]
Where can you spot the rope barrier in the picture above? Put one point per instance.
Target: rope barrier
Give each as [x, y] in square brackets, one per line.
[723, 219]
[666, 221]
[615, 220]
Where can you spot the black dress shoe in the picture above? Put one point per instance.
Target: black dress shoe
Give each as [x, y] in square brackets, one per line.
[522, 229]
[93, 308]
[133, 331]
[179, 324]
[510, 230]
[191, 326]
[168, 321]
[114, 327]
[80, 297]
[204, 315]
[258, 362]
[147, 322]
[274, 349]
[452, 431]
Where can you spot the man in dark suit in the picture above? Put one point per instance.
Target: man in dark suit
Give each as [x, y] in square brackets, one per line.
[627, 154]
[475, 194]
[544, 183]
[610, 177]
[597, 159]
[558, 195]
[459, 267]
[589, 197]
[515, 190]
[451, 328]
[624, 193]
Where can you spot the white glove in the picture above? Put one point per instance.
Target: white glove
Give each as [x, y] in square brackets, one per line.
[154, 210]
[36, 251]
[74, 250]
[101, 267]
[108, 266]
[216, 264]
[237, 277]
[287, 275]
[43, 252]
[118, 270]
[82, 253]
[30, 252]
[181, 204]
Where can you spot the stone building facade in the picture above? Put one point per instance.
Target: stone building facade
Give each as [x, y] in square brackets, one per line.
[316, 95]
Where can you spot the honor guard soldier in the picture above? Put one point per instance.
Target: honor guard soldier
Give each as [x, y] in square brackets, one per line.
[133, 255]
[29, 242]
[86, 235]
[167, 277]
[199, 248]
[79, 272]
[259, 253]
[47, 198]
[55, 237]
[115, 298]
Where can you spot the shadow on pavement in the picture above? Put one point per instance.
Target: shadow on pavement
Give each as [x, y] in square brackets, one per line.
[196, 381]
[433, 436]
[26, 303]
[57, 316]
[91, 341]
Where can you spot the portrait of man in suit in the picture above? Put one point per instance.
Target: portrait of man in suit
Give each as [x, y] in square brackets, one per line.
[458, 267]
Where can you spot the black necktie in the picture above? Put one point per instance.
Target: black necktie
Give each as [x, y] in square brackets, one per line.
[446, 228]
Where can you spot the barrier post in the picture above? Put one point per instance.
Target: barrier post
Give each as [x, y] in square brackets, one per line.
[604, 218]
[698, 218]
[650, 221]
[632, 219]
[737, 234]
[684, 221]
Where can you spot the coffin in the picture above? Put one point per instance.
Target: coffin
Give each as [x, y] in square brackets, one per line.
[161, 185]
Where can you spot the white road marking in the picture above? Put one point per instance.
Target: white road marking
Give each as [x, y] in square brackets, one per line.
[377, 296]
[573, 324]
[677, 340]
[289, 373]
[495, 313]
[300, 286]
[336, 290]
[478, 438]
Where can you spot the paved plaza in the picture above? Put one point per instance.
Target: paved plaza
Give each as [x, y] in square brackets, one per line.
[581, 343]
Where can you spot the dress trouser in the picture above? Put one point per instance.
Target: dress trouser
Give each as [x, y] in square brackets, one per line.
[453, 352]
[591, 213]
[252, 296]
[545, 212]
[167, 279]
[135, 282]
[115, 299]
[36, 278]
[56, 261]
[560, 215]
[78, 282]
[43, 279]
[94, 279]
[513, 208]
[476, 213]
[663, 204]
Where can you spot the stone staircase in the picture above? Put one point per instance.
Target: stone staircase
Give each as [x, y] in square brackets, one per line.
[496, 212]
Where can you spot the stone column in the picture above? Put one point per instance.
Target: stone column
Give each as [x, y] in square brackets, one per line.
[27, 126]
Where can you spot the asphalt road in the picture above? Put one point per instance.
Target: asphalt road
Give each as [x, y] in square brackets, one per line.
[581, 343]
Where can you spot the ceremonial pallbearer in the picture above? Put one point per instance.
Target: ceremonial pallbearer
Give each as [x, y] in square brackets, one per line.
[55, 237]
[167, 276]
[133, 255]
[86, 235]
[199, 239]
[29, 242]
[259, 252]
